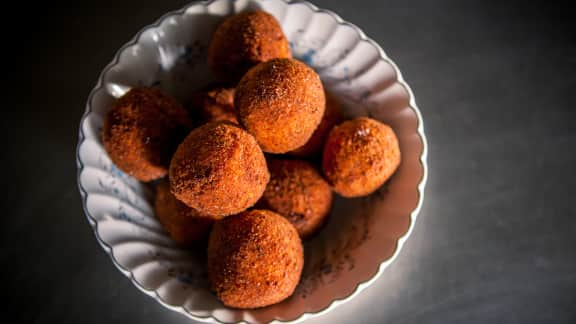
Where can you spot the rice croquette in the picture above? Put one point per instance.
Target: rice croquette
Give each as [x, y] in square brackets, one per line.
[280, 102]
[215, 103]
[255, 259]
[359, 156]
[185, 225]
[298, 192]
[218, 170]
[244, 40]
[142, 131]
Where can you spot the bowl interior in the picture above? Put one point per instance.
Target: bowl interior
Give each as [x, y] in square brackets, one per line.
[360, 235]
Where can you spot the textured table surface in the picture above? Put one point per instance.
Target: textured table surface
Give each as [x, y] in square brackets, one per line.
[496, 238]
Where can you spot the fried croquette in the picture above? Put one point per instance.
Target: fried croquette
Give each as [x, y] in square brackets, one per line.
[215, 103]
[218, 170]
[359, 156]
[332, 116]
[299, 193]
[244, 40]
[280, 102]
[185, 225]
[142, 131]
[255, 259]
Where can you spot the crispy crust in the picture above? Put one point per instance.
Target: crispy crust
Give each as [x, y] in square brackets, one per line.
[218, 170]
[244, 40]
[359, 156]
[299, 193]
[255, 259]
[185, 225]
[142, 131]
[280, 102]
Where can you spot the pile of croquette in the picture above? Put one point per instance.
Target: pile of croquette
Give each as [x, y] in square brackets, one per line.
[249, 166]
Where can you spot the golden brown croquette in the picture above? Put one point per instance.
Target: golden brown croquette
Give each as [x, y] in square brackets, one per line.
[255, 259]
[142, 131]
[298, 192]
[218, 170]
[185, 225]
[280, 102]
[215, 103]
[244, 40]
[359, 156]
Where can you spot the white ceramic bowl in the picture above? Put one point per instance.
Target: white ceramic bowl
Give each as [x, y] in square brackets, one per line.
[362, 235]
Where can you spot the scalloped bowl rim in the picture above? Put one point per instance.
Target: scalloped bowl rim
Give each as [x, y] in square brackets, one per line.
[306, 315]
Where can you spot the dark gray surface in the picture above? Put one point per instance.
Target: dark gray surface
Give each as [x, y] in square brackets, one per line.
[496, 238]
